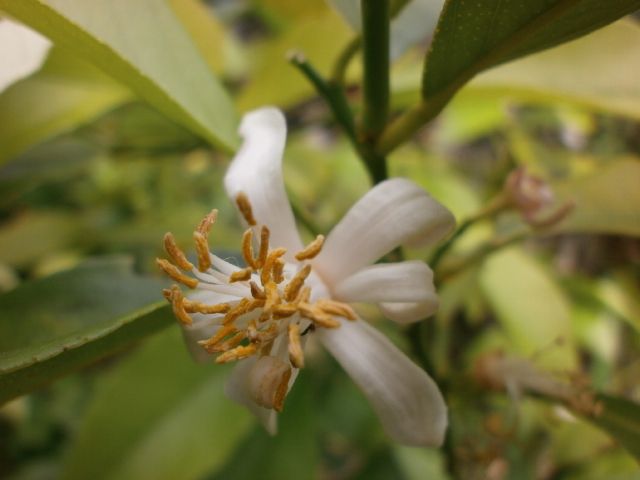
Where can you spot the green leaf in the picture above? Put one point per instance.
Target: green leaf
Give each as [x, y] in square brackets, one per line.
[53, 326]
[64, 94]
[473, 36]
[621, 419]
[605, 201]
[292, 453]
[530, 306]
[567, 73]
[157, 416]
[143, 45]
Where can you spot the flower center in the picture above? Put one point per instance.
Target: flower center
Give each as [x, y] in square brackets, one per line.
[269, 306]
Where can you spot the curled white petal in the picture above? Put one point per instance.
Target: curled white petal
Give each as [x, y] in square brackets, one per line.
[409, 281]
[404, 290]
[22, 52]
[409, 312]
[406, 399]
[395, 212]
[256, 170]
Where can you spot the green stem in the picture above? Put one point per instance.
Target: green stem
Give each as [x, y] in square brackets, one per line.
[375, 81]
[433, 102]
[483, 252]
[331, 93]
[343, 61]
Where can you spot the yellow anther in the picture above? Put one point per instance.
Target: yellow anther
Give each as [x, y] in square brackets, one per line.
[311, 250]
[177, 302]
[239, 309]
[245, 208]
[199, 307]
[317, 316]
[173, 271]
[264, 246]
[284, 310]
[278, 271]
[202, 248]
[223, 332]
[166, 293]
[274, 255]
[237, 353]
[296, 357]
[293, 287]
[204, 227]
[247, 249]
[334, 307]
[241, 275]
[256, 291]
[304, 295]
[273, 296]
[178, 257]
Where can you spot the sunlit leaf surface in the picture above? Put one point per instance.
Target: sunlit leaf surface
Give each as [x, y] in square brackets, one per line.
[144, 46]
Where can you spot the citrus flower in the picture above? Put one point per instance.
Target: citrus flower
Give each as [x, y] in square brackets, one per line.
[261, 315]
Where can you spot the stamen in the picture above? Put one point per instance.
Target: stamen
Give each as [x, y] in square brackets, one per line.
[237, 353]
[293, 287]
[264, 246]
[199, 307]
[274, 255]
[240, 275]
[296, 357]
[337, 308]
[284, 310]
[178, 257]
[223, 332]
[304, 295]
[245, 208]
[317, 316]
[256, 291]
[247, 249]
[278, 271]
[273, 296]
[202, 248]
[204, 227]
[177, 302]
[166, 293]
[173, 271]
[311, 250]
[240, 309]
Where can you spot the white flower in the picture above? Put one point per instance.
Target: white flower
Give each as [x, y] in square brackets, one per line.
[22, 52]
[261, 315]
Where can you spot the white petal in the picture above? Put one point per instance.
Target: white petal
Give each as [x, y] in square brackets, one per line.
[406, 399]
[22, 52]
[410, 312]
[409, 281]
[192, 334]
[237, 389]
[395, 212]
[405, 290]
[256, 170]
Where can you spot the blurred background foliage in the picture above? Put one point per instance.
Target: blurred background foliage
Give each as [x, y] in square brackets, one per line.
[95, 168]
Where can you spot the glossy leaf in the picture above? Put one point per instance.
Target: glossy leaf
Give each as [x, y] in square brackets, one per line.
[157, 416]
[56, 325]
[144, 46]
[605, 201]
[567, 73]
[621, 419]
[473, 36]
[64, 94]
[530, 306]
